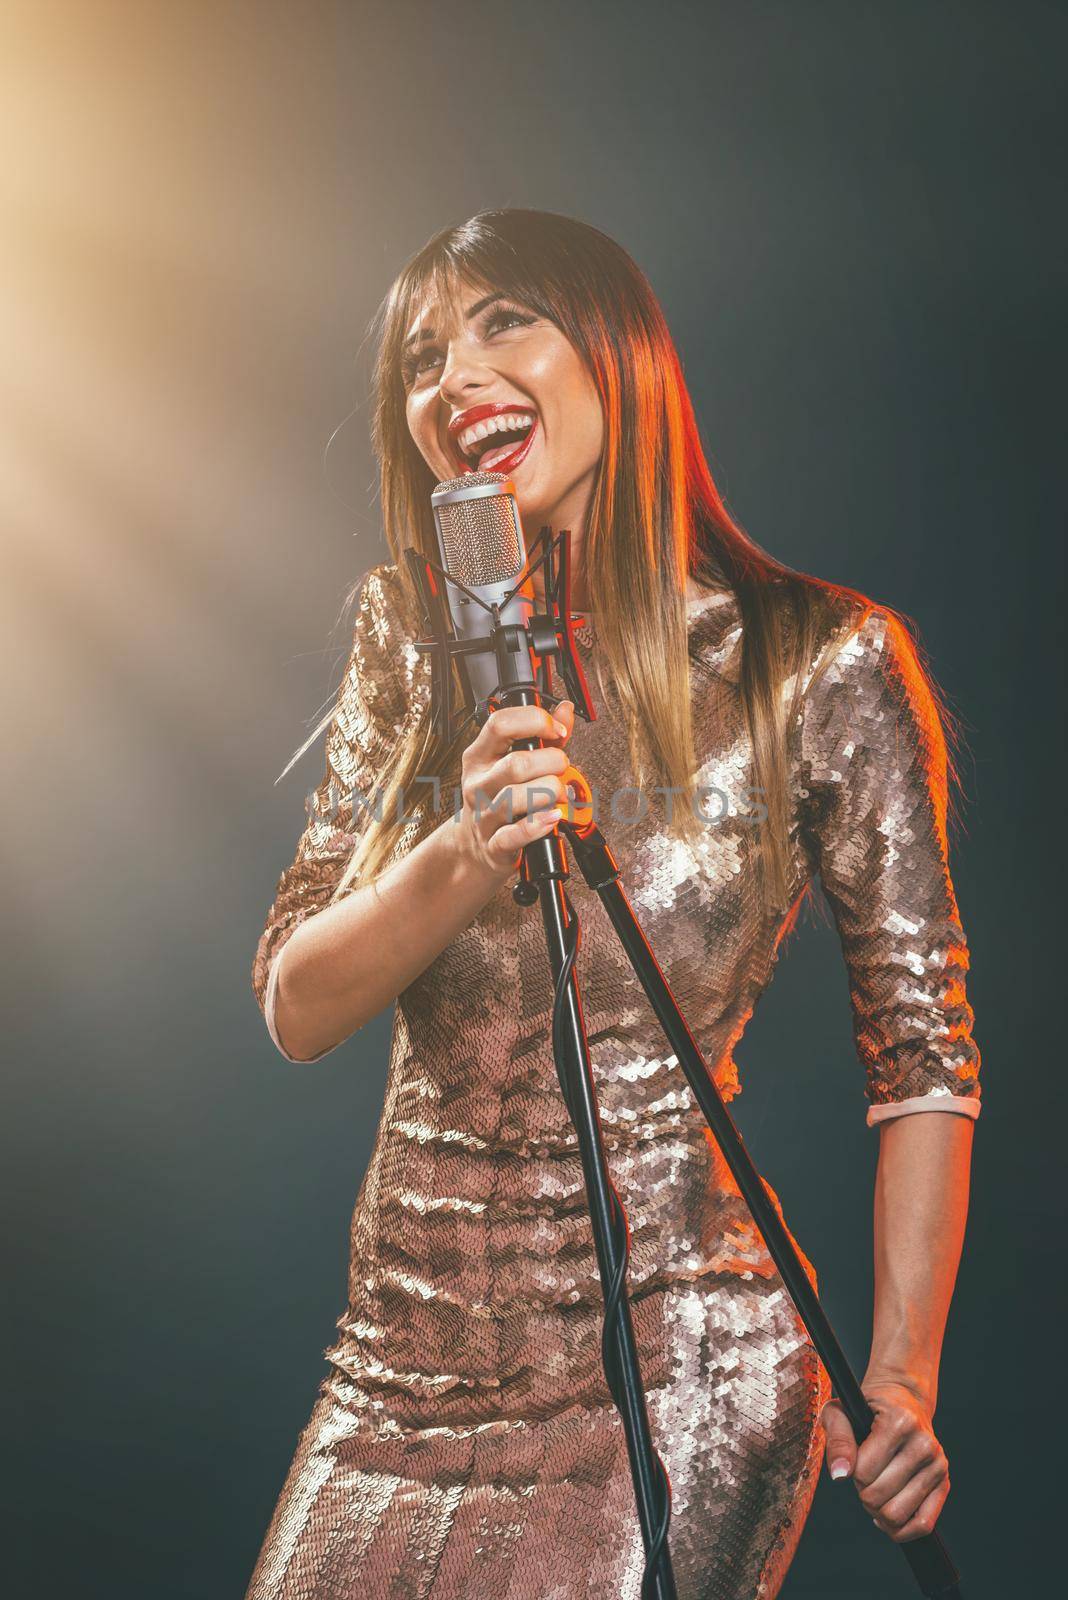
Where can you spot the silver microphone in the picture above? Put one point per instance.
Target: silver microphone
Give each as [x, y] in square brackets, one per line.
[481, 541]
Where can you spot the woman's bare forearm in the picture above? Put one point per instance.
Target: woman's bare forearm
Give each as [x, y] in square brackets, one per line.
[344, 965]
[921, 1205]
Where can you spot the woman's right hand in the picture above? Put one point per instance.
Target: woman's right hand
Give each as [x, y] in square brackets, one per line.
[511, 796]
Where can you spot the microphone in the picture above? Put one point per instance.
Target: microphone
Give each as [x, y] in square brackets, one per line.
[484, 614]
[481, 541]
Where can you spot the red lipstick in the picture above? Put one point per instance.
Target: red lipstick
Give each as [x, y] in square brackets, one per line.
[467, 419]
[473, 414]
[506, 463]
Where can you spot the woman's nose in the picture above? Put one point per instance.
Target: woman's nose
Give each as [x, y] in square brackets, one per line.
[461, 374]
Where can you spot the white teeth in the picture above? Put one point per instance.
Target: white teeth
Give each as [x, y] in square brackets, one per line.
[503, 424]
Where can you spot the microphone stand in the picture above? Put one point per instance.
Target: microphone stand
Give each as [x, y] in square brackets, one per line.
[543, 874]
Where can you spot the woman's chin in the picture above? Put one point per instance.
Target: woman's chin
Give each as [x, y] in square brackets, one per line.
[529, 494]
[531, 514]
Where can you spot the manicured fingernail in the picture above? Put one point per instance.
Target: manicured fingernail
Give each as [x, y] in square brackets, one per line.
[560, 728]
[552, 816]
[840, 1468]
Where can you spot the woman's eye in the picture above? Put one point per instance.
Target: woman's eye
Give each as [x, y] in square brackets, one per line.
[499, 321]
[504, 318]
[413, 367]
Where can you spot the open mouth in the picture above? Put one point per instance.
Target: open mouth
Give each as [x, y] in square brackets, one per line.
[497, 444]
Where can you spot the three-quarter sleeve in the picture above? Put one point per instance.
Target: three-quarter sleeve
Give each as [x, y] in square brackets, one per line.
[873, 803]
[375, 705]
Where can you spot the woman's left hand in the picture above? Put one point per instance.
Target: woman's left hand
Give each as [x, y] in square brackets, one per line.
[900, 1469]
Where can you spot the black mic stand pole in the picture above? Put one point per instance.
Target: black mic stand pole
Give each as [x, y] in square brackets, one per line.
[543, 876]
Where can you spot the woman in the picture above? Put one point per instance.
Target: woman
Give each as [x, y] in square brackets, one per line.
[464, 1442]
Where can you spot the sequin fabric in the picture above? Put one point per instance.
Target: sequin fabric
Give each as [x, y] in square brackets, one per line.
[464, 1442]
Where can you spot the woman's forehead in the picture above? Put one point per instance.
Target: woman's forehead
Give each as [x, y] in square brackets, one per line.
[441, 306]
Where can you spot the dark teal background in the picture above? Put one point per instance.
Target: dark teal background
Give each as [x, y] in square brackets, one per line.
[854, 217]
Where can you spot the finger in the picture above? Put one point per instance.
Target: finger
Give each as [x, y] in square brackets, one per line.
[890, 1432]
[565, 713]
[920, 1454]
[519, 800]
[923, 1523]
[841, 1448]
[508, 723]
[487, 791]
[515, 801]
[508, 841]
[521, 767]
[893, 1515]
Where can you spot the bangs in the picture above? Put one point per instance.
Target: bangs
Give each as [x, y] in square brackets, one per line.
[434, 285]
[450, 267]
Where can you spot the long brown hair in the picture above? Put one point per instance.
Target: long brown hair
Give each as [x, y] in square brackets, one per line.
[656, 518]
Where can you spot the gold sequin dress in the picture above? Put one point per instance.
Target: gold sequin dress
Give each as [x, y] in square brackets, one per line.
[464, 1445]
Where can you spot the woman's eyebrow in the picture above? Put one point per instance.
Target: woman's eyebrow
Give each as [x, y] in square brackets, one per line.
[424, 335]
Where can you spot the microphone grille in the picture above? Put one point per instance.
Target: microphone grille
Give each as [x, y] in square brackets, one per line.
[479, 531]
[470, 480]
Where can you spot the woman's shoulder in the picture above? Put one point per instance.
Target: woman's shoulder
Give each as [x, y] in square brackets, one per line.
[810, 621]
[823, 623]
[384, 668]
[386, 621]
[866, 669]
[384, 597]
